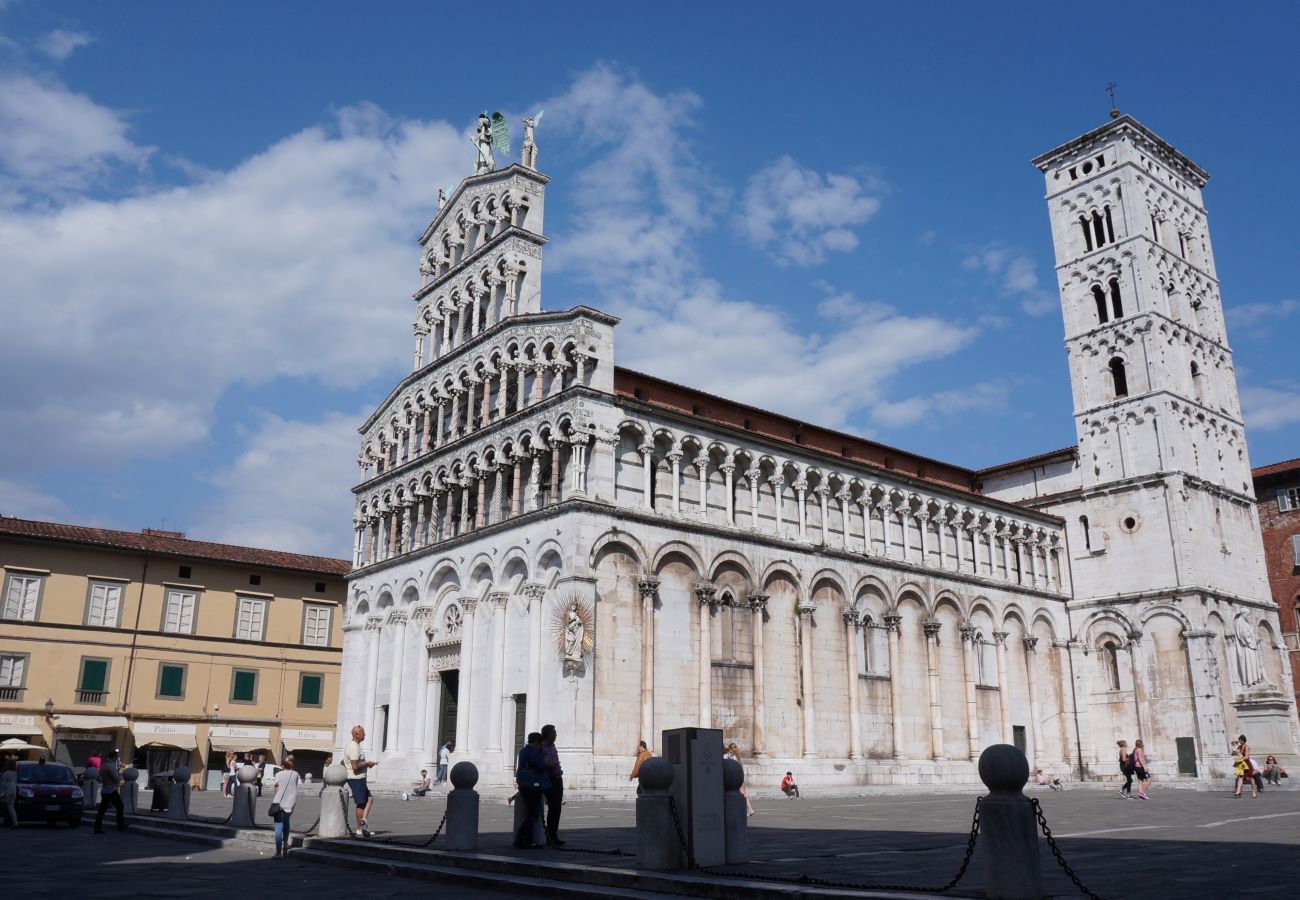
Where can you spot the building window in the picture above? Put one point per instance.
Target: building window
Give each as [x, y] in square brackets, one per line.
[1118, 379]
[1110, 659]
[1116, 303]
[92, 683]
[316, 625]
[1287, 498]
[104, 604]
[184, 572]
[310, 689]
[320, 587]
[243, 686]
[1099, 297]
[22, 596]
[13, 675]
[1295, 549]
[171, 681]
[178, 614]
[250, 620]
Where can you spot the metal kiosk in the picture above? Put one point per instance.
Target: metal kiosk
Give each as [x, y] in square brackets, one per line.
[696, 757]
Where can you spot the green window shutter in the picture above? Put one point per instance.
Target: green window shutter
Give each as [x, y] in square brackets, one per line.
[94, 674]
[245, 687]
[171, 681]
[309, 690]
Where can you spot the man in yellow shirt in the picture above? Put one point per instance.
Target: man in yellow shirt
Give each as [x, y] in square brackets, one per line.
[354, 758]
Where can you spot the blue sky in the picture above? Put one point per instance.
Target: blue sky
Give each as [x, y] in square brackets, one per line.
[208, 218]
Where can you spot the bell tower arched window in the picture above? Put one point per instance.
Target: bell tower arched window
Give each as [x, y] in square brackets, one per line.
[1110, 662]
[1118, 378]
[1117, 306]
[1099, 297]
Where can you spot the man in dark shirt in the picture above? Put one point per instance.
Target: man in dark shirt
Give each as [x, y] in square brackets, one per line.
[554, 796]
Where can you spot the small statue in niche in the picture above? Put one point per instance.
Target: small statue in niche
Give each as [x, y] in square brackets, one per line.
[573, 626]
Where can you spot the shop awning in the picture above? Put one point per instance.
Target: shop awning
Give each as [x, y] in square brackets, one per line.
[89, 723]
[18, 730]
[293, 745]
[238, 744]
[174, 735]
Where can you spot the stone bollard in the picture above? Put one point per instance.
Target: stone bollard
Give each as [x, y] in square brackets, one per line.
[657, 844]
[462, 808]
[90, 785]
[1008, 829]
[333, 803]
[178, 795]
[244, 791]
[735, 821]
[130, 790]
[521, 812]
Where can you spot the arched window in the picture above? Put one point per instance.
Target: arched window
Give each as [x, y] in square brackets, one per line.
[1099, 297]
[1087, 536]
[1116, 305]
[1098, 229]
[1110, 660]
[1087, 232]
[981, 666]
[1198, 382]
[1110, 227]
[1118, 379]
[867, 654]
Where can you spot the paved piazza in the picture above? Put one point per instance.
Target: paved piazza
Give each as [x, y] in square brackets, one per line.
[1182, 843]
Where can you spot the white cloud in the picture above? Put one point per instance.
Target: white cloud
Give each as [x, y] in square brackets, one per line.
[1260, 321]
[1016, 275]
[801, 215]
[984, 396]
[53, 141]
[1270, 408]
[644, 201]
[17, 500]
[288, 488]
[59, 44]
[129, 318]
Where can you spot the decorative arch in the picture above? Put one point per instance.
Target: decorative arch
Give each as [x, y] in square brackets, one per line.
[622, 539]
[677, 548]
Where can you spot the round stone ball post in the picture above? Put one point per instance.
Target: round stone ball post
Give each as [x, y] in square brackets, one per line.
[178, 795]
[1008, 829]
[462, 807]
[243, 814]
[90, 785]
[735, 821]
[130, 790]
[657, 846]
[539, 827]
[333, 803]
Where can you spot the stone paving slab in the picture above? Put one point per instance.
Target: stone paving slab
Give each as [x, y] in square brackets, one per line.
[1191, 844]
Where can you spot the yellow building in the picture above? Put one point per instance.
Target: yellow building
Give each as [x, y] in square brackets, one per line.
[166, 648]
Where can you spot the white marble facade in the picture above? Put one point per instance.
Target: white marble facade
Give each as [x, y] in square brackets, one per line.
[559, 548]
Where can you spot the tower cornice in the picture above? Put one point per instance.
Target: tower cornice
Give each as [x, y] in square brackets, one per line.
[1125, 126]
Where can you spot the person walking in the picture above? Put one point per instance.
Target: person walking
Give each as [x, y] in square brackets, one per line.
[9, 791]
[110, 782]
[1125, 769]
[1140, 769]
[733, 752]
[1244, 769]
[642, 754]
[283, 799]
[358, 767]
[555, 793]
[533, 781]
[444, 760]
[231, 778]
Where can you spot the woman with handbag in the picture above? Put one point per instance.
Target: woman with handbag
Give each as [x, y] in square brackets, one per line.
[533, 782]
[1125, 769]
[282, 803]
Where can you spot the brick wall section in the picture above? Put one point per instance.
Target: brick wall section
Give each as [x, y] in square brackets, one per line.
[1277, 528]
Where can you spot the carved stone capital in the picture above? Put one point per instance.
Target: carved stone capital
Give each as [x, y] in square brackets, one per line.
[851, 618]
[534, 591]
[758, 603]
[647, 586]
[893, 622]
[1000, 638]
[1030, 644]
[806, 612]
[707, 594]
[967, 632]
[374, 623]
[498, 599]
[931, 628]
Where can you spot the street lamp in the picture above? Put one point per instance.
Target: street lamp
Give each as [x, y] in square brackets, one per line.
[49, 709]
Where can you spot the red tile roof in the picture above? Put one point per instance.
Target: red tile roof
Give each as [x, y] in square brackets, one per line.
[171, 543]
[1278, 468]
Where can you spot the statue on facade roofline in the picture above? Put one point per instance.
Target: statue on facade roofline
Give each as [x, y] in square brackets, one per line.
[483, 143]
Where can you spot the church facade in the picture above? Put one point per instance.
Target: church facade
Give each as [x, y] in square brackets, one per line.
[545, 536]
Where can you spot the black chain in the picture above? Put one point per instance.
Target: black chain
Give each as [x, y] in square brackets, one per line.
[433, 838]
[311, 828]
[343, 800]
[1056, 851]
[826, 882]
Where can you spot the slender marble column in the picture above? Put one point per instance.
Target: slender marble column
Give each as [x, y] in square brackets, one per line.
[886, 512]
[702, 468]
[533, 714]
[969, 648]
[647, 478]
[852, 632]
[371, 710]
[463, 695]
[481, 510]
[809, 686]
[397, 621]
[1004, 688]
[801, 495]
[778, 495]
[555, 470]
[940, 527]
[706, 595]
[843, 497]
[1031, 662]
[419, 621]
[758, 603]
[675, 457]
[647, 587]
[753, 475]
[417, 537]
[893, 624]
[438, 425]
[936, 708]
[923, 527]
[728, 473]
[514, 495]
[496, 702]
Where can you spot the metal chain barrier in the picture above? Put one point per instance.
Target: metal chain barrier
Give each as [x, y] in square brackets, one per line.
[311, 827]
[343, 799]
[433, 838]
[827, 882]
[1056, 851]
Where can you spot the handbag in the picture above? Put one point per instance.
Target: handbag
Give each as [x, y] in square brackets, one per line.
[273, 810]
[532, 780]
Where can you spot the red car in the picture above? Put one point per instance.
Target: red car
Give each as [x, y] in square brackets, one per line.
[48, 792]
